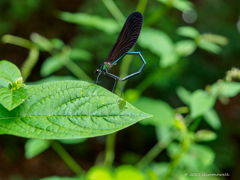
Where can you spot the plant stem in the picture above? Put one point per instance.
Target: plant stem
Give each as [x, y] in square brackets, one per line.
[117, 14]
[142, 5]
[109, 157]
[157, 149]
[76, 70]
[73, 165]
[182, 110]
[32, 57]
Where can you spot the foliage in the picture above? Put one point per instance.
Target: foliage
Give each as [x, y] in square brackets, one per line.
[184, 118]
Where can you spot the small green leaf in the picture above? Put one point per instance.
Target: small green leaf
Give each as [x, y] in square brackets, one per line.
[80, 55]
[209, 46]
[51, 65]
[72, 141]
[205, 135]
[178, 4]
[108, 25]
[162, 112]
[184, 95]
[57, 43]
[97, 173]
[200, 103]
[185, 47]
[9, 70]
[188, 31]
[226, 89]
[12, 98]
[128, 172]
[33, 147]
[68, 109]
[212, 118]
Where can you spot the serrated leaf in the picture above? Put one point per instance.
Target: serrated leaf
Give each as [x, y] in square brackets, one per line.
[51, 65]
[188, 31]
[226, 89]
[205, 135]
[200, 103]
[108, 25]
[33, 147]
[162, 112]
[212, 118]
[12, 98]
[209, 46]
[10, 70]
[185, 47]
[184, 95]
[68, 109]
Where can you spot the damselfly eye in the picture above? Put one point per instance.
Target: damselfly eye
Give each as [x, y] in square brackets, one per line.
[97, 71]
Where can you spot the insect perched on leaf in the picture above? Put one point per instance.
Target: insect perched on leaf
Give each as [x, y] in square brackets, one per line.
[125, 41]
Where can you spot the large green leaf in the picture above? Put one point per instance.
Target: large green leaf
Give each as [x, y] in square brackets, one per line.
[68, 109]
[107, 25]
[12, 98]
[200, 103]
[163, 114]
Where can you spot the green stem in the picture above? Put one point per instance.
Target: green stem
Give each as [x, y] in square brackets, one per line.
[182, 110]
[117, 14]
[32, 57]
[157, 149]
[73, 165]
[142, 5]
[150, 79]
[76, 70]
[155, 16]
[109, 157]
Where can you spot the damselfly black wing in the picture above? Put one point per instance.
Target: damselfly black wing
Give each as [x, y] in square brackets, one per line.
[127, 37]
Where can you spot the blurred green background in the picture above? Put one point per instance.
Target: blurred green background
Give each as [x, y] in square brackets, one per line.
[188, 46]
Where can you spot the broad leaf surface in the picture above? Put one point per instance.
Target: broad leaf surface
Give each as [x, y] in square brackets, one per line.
[68, 109]
[200, 103]
[12, 98]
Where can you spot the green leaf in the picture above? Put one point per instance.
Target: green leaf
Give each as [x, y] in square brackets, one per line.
[209, 46]
[72, 141]
[51, 79]
[185, 47]
[205, 135]
[10, 99]
[128, 172]
[160, 44]
[33, 147]
[162, 112]
[10, 71]
[200, 103]
[51, 65]
[7, 79]
[98, 173]
[188, 31]
[68, 109]
[212, 118]
[80, 54]
[108, 25]
[184, 95]
[57, 43]
[226, 89]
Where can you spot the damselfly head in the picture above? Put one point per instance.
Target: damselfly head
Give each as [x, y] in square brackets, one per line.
[97, 72]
